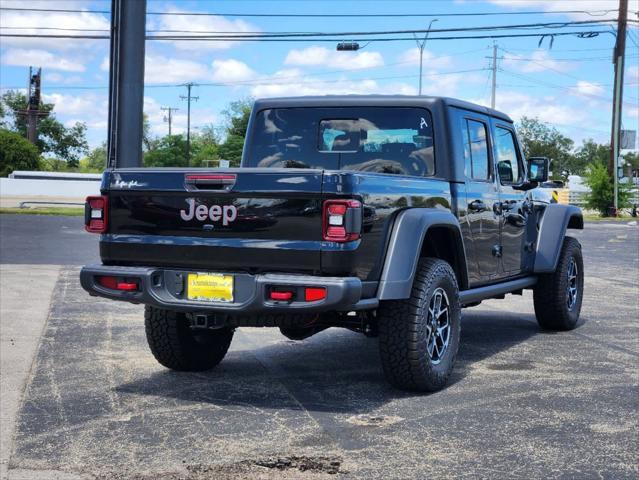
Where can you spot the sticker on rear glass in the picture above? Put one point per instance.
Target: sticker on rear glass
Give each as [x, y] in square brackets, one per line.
[423, 123]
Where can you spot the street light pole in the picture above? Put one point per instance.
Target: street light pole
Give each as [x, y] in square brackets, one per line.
[421, 46]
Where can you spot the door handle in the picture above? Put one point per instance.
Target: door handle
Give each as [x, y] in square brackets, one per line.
[477, 206]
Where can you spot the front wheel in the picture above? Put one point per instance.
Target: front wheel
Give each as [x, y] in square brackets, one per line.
[177, 347]
[419, 336]
[558, 295]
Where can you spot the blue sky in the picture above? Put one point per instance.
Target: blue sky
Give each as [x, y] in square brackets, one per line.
[569, 85]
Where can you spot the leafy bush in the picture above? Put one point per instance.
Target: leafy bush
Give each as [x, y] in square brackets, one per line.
[601, 193]
[17, 153]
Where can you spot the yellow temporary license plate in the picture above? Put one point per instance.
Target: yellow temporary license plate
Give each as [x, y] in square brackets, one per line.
[210, 287]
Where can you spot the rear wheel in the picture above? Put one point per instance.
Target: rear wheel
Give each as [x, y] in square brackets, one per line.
[177, 347]
[419, 336]
[558, 295]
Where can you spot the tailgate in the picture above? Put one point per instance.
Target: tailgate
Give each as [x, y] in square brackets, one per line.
[232, 219]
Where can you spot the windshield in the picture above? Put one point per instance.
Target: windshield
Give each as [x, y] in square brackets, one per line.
[395, 140]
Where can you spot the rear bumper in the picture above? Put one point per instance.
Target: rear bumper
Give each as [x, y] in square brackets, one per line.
[165, 288]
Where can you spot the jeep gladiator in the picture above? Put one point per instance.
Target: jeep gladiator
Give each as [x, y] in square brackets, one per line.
[385, 215]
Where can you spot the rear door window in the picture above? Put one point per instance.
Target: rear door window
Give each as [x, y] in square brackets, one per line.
[394, 140]
[476, 150]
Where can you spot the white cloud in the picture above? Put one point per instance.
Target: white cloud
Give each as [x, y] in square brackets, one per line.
[104, 65]
[410, 58]
[293, 82]
[551, 109]
[210, 24]
[554, 5]
[588, 89]
[537, 61]
[41, 58]
[29, 21]
[231, 70]
[315, 56]
[159, 69]
[88, 104]
[632, 74]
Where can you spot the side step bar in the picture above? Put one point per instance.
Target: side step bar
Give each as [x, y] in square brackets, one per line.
[489, 291]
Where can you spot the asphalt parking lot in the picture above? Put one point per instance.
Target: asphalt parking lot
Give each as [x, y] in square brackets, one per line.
[522, 403]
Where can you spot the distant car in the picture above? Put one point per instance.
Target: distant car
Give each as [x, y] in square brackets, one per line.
[384, 215]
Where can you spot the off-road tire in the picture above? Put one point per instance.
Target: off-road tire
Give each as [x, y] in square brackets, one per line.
[175, 346]
[550, 294]
[403, 331]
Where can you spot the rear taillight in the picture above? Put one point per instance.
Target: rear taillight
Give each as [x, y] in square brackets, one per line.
[115, 283]
[342, 220]
[96, 212]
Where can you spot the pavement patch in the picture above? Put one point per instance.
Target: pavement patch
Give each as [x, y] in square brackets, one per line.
[522, 403]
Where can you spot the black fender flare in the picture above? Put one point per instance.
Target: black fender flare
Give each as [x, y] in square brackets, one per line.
[404, 247]
[556, 219]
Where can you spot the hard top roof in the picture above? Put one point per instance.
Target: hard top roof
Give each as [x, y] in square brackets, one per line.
[375, 101]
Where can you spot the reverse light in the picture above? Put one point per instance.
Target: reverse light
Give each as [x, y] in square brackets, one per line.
[96, 214]
[342, 220]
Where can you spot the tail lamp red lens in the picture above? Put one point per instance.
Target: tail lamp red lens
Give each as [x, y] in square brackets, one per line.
[96, 214]
[113, 283]
[314, 294]
[283, 296]
[342, 220]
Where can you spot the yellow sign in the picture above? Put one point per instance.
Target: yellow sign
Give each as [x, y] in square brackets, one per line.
[210, 287]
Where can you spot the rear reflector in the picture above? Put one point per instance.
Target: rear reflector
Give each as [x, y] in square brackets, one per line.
[112, 283]
[96, 214]
[314, 294]
[281, 295]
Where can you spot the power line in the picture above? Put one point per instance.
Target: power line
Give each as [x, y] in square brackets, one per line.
[325, 15]
[579, 34]
[349, 34]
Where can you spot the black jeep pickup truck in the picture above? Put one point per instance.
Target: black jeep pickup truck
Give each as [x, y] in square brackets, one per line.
[382, 214]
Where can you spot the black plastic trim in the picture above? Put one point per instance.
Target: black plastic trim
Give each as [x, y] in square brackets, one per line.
[157, 287]
[552, 230]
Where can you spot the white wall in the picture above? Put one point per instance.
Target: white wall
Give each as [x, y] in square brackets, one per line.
[17, 187]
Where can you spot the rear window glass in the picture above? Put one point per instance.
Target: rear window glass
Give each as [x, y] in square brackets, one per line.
[393, 140]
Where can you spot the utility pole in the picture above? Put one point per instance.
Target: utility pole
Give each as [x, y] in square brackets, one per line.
[188, 99]
[494, 67]
[618, 61]
[170, 115]
[33, 112]
[421, 45]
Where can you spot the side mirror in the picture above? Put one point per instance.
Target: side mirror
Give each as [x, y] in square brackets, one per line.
[538, 169]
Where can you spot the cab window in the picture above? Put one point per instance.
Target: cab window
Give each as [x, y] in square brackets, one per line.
[508, 164]
[391, 140]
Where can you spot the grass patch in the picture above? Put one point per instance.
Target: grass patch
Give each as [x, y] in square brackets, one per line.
[69, 211]
[591, 217]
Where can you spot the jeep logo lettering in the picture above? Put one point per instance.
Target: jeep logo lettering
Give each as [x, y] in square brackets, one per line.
[227, 213]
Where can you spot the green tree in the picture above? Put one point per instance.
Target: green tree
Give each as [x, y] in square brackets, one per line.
[237, 117]
[16, 153]
[204, 146]
[601, 193]
[588, 153]
[632, 158]
[67, 143]
[96, 160]
[169, 151]
[540, 139]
